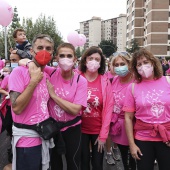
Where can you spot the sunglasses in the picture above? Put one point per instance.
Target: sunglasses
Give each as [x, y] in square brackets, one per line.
[122, 53]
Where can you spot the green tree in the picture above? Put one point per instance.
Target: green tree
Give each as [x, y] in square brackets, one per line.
[15, 24]
[107, 47]
[10, 41]
[15, 21]
[42, 25]
[2, 45]
[134, 46]
[78, 52]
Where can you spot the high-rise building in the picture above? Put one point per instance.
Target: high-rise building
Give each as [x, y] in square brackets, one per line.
[97, 30]
[92, 30]
[121, 32]
[148, 22]
[109, 30]
[115, 29]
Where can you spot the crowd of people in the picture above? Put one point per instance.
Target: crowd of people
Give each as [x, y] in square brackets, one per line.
[55, 105]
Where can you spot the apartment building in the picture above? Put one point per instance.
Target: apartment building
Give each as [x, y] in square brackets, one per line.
[148, 22]
[97, 30]
[92, 30]
[121, 32]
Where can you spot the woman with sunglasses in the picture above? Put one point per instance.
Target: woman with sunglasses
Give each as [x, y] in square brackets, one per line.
[148, 101]
[68, 92]
[96, 116]
[120, 64]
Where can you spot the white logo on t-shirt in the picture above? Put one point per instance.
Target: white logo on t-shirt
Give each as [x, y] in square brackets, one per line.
[153, 97]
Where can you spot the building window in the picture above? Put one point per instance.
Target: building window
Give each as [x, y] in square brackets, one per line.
[133, 4]
[168, 25]
[132, 32]
[133, 13]
[168, 37]
[132, 22]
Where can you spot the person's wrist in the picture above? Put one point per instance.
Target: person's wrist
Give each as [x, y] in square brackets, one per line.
[27, 64]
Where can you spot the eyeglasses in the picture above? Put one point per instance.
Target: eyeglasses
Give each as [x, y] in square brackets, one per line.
[65, 55]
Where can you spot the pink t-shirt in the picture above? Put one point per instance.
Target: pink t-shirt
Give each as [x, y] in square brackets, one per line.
[4, 85]
[119, 91]
[92, 114]
[150, 101]
[36, 111]
[109, 74]
[74, 91]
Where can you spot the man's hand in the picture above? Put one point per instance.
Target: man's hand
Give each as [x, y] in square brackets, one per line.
[36, 75]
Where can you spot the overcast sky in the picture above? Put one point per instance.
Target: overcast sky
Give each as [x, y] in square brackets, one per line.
[69, 13]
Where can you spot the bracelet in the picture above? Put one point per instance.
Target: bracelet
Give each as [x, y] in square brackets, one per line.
[29, 62]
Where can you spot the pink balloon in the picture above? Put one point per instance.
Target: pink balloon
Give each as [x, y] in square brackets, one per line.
[6, 13]
[82, 40]
[73, 38]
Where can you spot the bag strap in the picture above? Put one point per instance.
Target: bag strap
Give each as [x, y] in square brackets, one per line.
[111, 80]
[69, 123]
[168, 79]
[133, 86]
[78, 78]
[58, 124]
[24, 126]
[53, 72]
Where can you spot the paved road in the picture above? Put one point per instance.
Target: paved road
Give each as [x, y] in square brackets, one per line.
[5, 143]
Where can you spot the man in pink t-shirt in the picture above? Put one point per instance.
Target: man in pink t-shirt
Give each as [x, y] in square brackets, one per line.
[29, 96]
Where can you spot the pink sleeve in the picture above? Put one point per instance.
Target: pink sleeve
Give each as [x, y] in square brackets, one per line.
[107, 111]
[4, 83]
[16, 81]
[81, 92]
[129, 104]
[49, 70]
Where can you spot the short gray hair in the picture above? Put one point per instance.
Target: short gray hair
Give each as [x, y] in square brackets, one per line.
[43, 36]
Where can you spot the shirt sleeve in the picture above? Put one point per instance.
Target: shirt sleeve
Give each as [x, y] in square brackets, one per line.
[81, 92]
[129, 104]
[49, 70]
[4, 84]
[16, 81]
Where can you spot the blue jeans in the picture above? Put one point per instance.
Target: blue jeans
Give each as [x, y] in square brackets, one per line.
[28, 158]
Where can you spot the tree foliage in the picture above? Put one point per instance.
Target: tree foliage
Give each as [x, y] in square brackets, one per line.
[134, 46]
[107, 47]
[42, 25]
